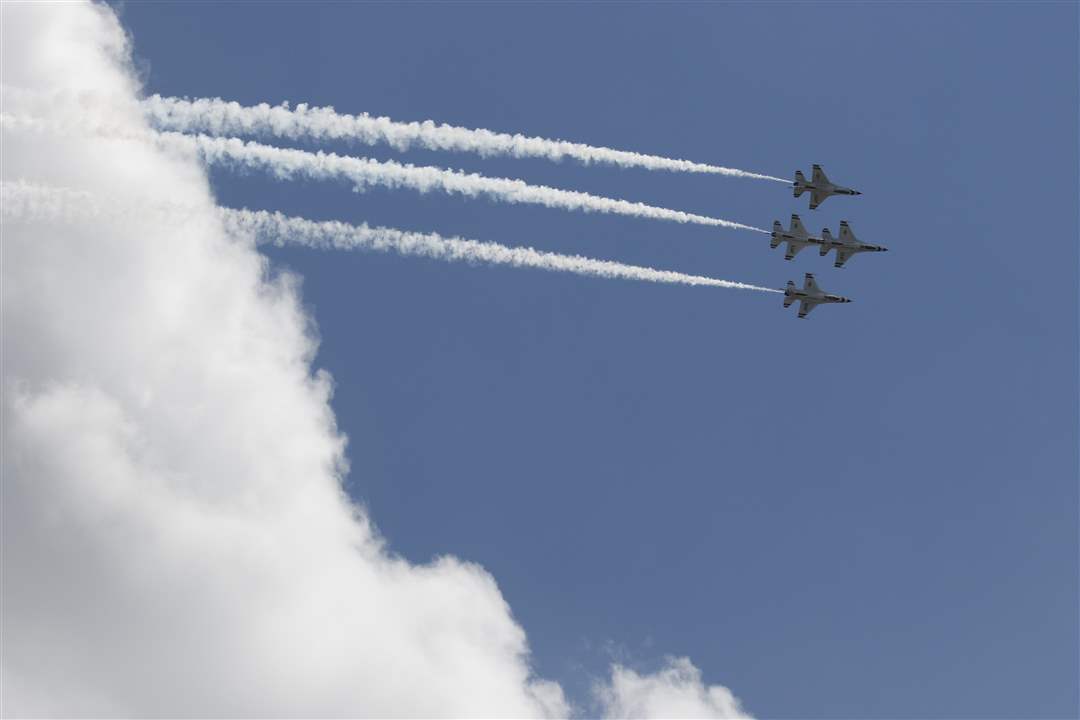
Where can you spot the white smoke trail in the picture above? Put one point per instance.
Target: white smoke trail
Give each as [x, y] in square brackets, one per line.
[219, 117]
[21, 201]
[283, 230]
[364, 172]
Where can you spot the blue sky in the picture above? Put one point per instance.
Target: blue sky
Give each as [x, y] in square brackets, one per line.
[870, 513]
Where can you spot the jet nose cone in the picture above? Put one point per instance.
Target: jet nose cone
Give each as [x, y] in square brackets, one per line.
[858, 192]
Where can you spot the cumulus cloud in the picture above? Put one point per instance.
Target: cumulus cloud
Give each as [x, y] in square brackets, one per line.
[175, 537]
[675, 691]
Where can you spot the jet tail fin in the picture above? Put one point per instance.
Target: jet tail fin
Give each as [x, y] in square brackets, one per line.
[800, 182]
[777, 228]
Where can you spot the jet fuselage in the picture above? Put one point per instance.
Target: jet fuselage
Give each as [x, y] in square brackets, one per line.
[827, 189]
[817, 298]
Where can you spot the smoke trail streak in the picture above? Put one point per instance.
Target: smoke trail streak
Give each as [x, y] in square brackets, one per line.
[286, 163]
[219, 117]
[364, 172]
[283, 230]
[22, 201]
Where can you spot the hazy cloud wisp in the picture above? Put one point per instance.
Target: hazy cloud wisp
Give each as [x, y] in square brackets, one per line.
[674, 691]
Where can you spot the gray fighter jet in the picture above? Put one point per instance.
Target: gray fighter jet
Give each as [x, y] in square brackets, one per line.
[810, 296]
[796, 237]
[819, 186]
[846, 246]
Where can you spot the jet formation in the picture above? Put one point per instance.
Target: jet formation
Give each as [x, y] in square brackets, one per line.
[796, 237]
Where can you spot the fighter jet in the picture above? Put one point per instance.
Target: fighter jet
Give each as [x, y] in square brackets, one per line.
[796, 237]
[846, 246]
[810, 296]
[820, 188]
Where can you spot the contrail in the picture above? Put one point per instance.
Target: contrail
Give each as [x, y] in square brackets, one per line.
[280, 229]
[219, 117]
[23, 201]
[364, 172]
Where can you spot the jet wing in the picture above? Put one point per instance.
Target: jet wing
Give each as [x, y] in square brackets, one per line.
[842, 256]
[817, 197]
[818, 176]
[810, 283]
[793, 249]
[805, 307]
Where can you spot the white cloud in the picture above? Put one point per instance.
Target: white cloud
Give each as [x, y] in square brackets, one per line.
[175, 538]
[675, 691]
